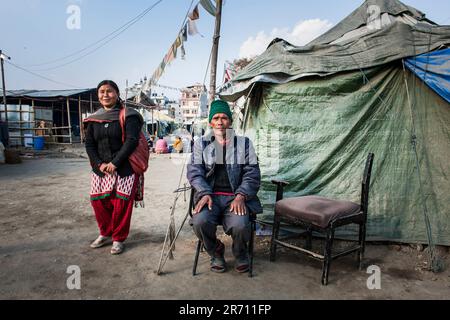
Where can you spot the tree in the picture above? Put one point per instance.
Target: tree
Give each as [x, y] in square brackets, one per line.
[240, 64]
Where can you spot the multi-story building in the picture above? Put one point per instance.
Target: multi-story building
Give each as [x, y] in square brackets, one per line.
[159, 99]
[175, 112]
[193, 101]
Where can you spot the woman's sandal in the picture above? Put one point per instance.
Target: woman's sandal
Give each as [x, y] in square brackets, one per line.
[117, 247]
[99, 242]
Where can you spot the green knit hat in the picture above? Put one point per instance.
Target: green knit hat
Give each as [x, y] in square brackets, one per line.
[220, 106]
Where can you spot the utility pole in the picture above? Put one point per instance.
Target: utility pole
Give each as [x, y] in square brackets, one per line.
[2, 57]
[215, 51]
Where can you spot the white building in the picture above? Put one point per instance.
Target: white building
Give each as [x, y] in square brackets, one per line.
[175, 112]
[192, 101]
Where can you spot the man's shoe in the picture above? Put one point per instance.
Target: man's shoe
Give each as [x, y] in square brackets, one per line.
[117, 247]
[99, 242]
[242, 265]
[218, 263]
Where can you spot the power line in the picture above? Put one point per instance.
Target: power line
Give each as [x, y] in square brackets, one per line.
[445, 21]
[150, 81]
[117, 32]
[43, 77]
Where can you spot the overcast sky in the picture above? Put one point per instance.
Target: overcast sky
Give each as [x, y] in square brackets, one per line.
[35, 32]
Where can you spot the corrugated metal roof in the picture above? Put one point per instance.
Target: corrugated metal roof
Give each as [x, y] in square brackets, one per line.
[45, 93]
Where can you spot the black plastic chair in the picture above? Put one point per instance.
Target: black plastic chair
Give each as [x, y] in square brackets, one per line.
[200, 242]
[323, 215]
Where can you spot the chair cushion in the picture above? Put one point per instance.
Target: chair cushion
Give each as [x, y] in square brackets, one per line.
[316, 210]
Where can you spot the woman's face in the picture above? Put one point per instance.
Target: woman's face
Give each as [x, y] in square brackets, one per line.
[107, 96]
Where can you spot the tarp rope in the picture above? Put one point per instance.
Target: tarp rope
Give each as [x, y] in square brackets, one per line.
[246, 108]
[170, 234]
[436, 264]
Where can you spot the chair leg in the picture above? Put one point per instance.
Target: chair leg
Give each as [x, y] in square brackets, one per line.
[362, 244]
[308, 244]
[273, 245]
[250, 248]
[197, 253]
[327, 255]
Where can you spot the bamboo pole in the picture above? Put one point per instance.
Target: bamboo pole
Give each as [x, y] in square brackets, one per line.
[80, 117]
[22, 140]
[32, 111]
[68, 119]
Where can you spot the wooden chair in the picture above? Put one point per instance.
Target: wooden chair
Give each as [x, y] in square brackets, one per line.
[200, 243]
[322, 215]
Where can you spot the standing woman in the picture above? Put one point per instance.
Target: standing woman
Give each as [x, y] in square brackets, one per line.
[114, 185]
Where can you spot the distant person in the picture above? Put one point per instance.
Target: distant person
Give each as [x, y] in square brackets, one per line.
[41, 128]
[150, 140]
[114, 185]
[225, 174]
[4, 133]
[161, 146]
[178, 145]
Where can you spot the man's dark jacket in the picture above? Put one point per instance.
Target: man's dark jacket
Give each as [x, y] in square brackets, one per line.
[241, 164]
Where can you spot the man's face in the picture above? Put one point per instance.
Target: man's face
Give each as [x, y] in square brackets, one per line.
[220, 123]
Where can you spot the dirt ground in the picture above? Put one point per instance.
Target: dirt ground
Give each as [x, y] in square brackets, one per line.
[47, 224]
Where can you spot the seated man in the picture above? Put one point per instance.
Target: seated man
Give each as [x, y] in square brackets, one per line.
[161, 146]
[225, 174]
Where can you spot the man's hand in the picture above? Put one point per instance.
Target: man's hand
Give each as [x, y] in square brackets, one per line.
[238, 205]
[204, 200]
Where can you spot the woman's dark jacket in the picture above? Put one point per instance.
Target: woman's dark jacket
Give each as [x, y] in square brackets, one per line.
[104, 143]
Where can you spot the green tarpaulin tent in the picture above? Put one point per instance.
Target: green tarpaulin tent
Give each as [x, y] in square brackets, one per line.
[315, 112]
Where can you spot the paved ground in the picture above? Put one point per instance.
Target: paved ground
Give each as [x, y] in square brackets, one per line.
[47, 224]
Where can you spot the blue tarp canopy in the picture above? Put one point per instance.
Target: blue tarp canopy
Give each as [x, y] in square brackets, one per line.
[434, 69]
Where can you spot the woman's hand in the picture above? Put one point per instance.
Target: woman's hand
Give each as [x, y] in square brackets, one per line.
[110, 168]
[102, 167]
[204, 200]
[238, 205]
